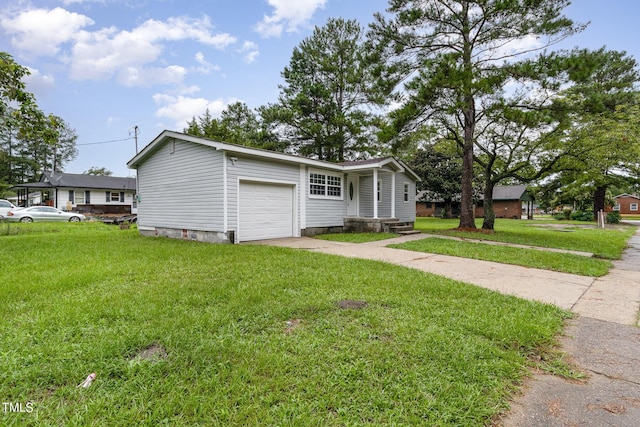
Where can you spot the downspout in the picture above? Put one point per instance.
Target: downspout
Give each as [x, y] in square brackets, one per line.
[393, 194]
[375, 193]
[225, 223]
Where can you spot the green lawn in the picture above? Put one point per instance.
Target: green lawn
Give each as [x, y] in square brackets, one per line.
[567, 263]
[356, 237]
[253, 335]
[603, 243]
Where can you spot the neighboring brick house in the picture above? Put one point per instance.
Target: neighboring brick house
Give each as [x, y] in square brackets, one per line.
[508, 202]
[626, 204]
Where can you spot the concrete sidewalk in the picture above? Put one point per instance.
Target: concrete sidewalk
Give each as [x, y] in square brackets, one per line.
[602, 299]
[603, 341]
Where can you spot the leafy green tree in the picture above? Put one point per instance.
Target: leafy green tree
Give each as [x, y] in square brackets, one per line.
[43, 143]
[605, 100]
[440, 176]
[324, 109]
[31, 142]
[449, 61]
[609, 155]
[16, 105]
[238, 124]
[95, 170]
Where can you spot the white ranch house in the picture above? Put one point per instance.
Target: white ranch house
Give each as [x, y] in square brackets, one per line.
[195, 188]
[81, 193]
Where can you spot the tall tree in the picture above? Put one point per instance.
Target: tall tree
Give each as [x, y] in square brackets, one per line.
[605, 99]
[17, 108]
[324, 108]
[238, 124]
[452, 57]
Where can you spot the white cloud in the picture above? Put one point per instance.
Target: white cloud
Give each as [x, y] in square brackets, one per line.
[40, 84]
[42, 31]
[289, 14]
[205, 66]
[250, 49]
[101, 54]
[181, 109]
[133, 57]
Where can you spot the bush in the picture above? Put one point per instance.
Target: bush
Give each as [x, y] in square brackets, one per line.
[613, 217]
[582, 216]
[564, 215]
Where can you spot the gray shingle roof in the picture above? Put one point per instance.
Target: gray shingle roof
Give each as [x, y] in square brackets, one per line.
[60, 179]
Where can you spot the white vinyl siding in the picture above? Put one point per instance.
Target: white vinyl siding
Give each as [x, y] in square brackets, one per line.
[405, 211]
[181, 187]
[323, 212]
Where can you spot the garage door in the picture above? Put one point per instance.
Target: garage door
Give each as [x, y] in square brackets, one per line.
[266, 211]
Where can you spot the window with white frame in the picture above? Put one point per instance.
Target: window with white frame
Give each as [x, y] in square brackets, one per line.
[633, 207]
[379, 190]
[405, 192]
[616, 207]
[322, 184]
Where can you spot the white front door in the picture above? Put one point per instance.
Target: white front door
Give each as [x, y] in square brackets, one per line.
[353, 207]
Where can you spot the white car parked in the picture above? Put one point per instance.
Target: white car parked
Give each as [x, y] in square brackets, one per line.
[43, 213]
[5, 207]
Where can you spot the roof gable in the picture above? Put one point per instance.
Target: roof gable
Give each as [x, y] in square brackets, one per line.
[627, 196]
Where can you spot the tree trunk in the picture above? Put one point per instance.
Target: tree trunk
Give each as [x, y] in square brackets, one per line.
[599, 199]
[489, 214]
[467, 217]
[448, 213]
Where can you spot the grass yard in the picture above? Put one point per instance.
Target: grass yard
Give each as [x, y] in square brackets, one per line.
[603, 243]
[356, 237]
[567, 263]
[249, 335]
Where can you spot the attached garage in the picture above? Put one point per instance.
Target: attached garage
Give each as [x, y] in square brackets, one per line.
[265, 211]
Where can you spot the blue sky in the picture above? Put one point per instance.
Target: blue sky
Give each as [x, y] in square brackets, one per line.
[106, 66]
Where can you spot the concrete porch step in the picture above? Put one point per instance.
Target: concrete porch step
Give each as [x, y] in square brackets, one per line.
[408, 232]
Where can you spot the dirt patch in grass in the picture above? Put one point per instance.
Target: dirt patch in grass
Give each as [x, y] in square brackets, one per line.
[152, 353]
[348, 304]
[291, 325]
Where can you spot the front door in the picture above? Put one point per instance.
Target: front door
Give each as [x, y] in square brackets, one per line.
[352, 196]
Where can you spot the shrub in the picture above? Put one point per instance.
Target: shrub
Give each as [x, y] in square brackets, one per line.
[582, 216]
[613, 217]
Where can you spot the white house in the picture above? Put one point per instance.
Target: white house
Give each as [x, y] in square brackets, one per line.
[195, 188]
[82, 193]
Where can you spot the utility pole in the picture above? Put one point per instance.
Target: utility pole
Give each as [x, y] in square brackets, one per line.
[135, 136]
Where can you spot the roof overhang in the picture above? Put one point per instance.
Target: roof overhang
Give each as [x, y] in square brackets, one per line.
[167, 135]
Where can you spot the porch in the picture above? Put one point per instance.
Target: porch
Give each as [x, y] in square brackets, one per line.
[378, 225]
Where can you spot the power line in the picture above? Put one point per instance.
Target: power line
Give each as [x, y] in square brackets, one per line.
[105, 142]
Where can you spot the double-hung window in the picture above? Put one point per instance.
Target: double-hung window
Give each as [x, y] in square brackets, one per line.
[325, 185]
